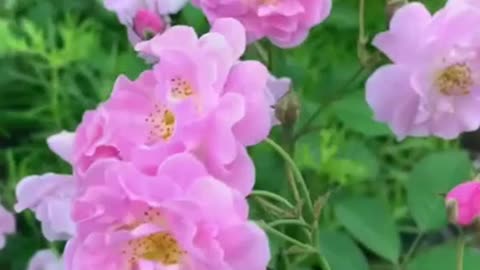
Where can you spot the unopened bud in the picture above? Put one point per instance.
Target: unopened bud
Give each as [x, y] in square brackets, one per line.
[287, 109]
[392, 6]
[147, 24]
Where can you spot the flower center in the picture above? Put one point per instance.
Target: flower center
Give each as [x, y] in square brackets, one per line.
[158, 247]
[162, 124]
[181, 88]
[455, 80]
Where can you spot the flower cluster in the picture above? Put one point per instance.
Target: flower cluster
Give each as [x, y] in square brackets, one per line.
[160, 169]
[433, 85]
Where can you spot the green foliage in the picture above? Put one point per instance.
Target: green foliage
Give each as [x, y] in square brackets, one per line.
[355, 114]
[431, 177]
[444, 258]
[370, 223]
[341, 251]
[59, 58]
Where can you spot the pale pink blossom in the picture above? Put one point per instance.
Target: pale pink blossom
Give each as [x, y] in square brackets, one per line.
[433, 85]
[285, 22]
[45, 260]
[180, 218]
[7, 225]
[465, 200]
[62, 144]
[49, 196]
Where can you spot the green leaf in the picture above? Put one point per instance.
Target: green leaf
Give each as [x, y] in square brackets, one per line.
[355, 114]
[433, 176]
[359, 153]
[194, 17]
[337, 246]
[444, 258]
[370, 222]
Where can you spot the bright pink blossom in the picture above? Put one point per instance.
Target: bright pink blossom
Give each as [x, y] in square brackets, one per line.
[433, 85]
[45, 260]
[7, 225]
[199, 98]
[465, 198]
[144, 18]
[147, 24]
[50, 197]
[285, 22]
[179, 218]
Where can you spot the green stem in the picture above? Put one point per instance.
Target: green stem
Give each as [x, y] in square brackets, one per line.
[361, 22]
[273, 196]
[296, 222]
[264, 56]
[55, 96]
[297, 174]
[266, 204]
[285, 237]
[460, 251]
[412, 249]
[323, 262]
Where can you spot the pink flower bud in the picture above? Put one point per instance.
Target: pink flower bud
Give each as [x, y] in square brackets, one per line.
[463, 203]
[147, 24]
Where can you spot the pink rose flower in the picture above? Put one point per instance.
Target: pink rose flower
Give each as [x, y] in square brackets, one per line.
[433, 85]
[285, 22]
[197, 97]
[50, 197]
[7, 225]
[45, 260]
[465, 198]
[179, 218]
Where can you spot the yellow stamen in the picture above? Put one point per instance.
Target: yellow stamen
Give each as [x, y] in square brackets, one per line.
[455, 80]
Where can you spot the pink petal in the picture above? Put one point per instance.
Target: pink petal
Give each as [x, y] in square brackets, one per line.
[62, 145]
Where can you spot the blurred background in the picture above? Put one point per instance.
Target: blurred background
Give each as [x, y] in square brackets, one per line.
[385, 209]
